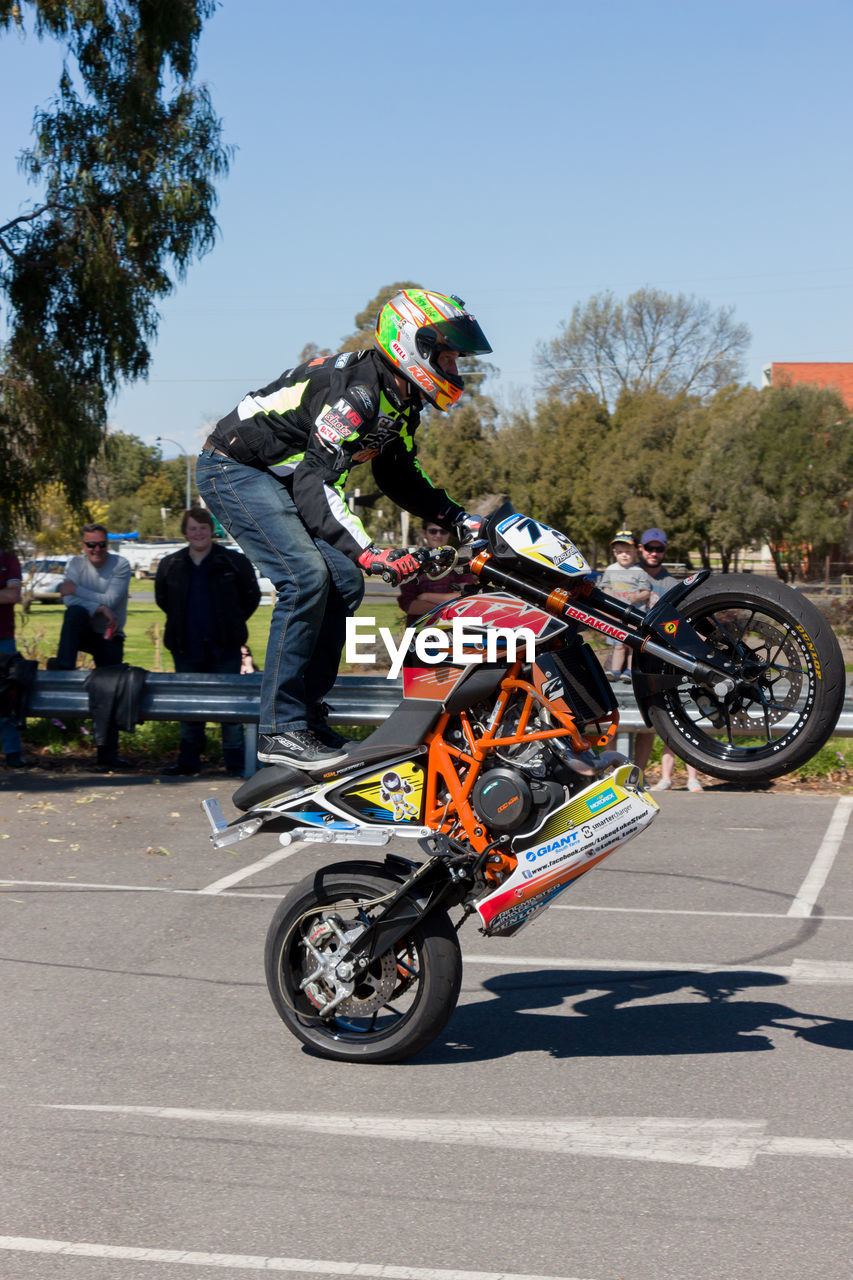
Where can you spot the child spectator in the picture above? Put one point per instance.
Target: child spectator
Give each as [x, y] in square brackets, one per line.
[624, 580]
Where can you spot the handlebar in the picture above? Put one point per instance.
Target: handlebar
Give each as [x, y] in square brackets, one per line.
[435, 562]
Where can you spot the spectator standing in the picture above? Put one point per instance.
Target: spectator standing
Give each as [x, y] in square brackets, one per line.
[95, 593]
[652, 550]
[10, 594]
[207, 594]
[625, 580]
[421, 594]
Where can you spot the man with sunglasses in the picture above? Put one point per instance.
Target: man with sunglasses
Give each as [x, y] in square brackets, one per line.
[95, 593]
[421, 594]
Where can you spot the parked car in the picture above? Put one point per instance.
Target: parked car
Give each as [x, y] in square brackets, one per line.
[41, 577]
[144, 557]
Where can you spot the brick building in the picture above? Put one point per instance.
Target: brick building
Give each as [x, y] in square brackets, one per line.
[837, 374]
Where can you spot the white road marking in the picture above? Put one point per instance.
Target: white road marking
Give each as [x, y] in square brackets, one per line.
[557, 906]
[243, 874]
[132, 888]
[805, 972]
[252, 1262]
[809, 891]
[717, 1144]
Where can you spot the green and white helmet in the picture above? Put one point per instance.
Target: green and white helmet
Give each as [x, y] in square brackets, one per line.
[415, 327]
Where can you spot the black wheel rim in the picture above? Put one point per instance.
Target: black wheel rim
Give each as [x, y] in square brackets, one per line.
[383, 998]
[776, 689]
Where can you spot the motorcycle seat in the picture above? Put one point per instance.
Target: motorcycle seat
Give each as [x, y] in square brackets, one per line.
[401, 734]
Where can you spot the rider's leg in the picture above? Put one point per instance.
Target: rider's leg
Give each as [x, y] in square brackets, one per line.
[259, 512]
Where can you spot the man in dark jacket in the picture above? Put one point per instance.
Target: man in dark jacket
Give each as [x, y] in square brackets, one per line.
[274, 470]
[207, 593]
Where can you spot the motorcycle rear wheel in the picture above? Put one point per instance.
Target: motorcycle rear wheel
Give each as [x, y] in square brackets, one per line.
[791, 682]
[393, 1010]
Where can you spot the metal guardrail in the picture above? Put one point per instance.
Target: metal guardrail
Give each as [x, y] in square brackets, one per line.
[224, 699]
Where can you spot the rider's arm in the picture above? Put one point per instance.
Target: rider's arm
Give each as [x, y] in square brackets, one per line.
[400, 475]
[319, 478]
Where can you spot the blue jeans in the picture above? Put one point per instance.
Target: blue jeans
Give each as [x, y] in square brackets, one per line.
[317, 587]
[192, 734]
[10, 738]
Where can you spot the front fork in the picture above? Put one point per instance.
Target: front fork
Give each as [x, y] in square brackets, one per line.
[585, 604]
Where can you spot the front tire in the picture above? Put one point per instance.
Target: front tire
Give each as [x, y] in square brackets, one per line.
[390, 1012]
[790, 674]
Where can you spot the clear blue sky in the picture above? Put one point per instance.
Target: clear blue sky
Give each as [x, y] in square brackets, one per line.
[522, 155]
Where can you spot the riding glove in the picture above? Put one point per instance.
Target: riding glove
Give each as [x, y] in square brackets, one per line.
[467, 527]
[395, 565]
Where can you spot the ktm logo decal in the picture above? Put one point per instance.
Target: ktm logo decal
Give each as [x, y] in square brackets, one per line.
[670, 628]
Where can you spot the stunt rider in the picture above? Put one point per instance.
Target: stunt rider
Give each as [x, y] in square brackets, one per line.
[274, 469]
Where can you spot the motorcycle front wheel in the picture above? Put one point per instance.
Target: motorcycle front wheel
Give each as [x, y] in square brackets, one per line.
[386, 1013]
[790, 682]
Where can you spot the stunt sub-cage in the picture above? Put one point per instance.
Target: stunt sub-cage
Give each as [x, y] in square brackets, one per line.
[501, 771]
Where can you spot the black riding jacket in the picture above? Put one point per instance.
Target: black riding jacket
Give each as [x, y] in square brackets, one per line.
[234, 597]
[315, 423]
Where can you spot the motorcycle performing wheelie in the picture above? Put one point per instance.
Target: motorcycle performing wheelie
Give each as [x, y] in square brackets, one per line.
[499, 768]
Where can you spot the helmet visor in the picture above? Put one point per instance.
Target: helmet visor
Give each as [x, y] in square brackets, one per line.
[462, 334]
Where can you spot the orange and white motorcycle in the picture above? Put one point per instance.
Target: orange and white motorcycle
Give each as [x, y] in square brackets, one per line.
[498, 768]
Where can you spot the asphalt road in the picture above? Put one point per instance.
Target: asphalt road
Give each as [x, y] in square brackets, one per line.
[650, 1083]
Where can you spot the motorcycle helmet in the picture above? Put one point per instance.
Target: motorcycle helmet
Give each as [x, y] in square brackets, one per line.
[415, 327]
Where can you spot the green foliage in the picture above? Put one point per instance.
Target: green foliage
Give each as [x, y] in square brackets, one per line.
[805, 455]
[125, 157]
[551, 460]
[121, 465]
[361, 339]
[834, 761]
[457, 452]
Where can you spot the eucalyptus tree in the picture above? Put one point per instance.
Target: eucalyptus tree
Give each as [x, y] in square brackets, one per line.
[124, 161]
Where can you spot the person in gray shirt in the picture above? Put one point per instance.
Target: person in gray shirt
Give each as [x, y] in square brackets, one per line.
[95, 593]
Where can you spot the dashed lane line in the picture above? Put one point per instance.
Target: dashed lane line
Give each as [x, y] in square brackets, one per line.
[804, 972]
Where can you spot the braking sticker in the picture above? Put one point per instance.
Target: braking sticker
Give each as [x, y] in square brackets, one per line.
[597, 624]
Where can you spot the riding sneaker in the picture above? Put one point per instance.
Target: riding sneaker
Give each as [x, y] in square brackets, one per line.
[318, 724]
[297, 747]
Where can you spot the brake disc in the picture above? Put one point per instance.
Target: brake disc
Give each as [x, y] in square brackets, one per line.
[330, 982]
[780, 681]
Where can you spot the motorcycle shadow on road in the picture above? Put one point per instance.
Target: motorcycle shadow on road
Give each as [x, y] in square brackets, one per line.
[596, 1013]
